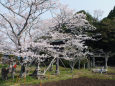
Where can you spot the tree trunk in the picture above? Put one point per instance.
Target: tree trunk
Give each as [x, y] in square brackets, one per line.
[93, 62]
[38, 70]
[51, 67]
[79, 62]
[57, 66]
[23, 65]
[72, 69]
[106, 60]
[84, 66]
[23, 70]
[12, 71]
[72, 66]
[88, 64]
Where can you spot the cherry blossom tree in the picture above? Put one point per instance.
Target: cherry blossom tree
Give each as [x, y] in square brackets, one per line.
[20, 17]
[71, 26]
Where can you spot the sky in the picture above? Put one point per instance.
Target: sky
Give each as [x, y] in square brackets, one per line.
[90, 5]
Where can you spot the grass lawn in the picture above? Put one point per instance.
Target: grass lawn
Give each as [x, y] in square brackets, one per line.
[50, 76]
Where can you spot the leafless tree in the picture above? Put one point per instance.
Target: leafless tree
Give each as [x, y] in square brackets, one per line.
[98, 14]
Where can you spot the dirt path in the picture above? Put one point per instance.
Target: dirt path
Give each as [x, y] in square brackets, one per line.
[80, 82]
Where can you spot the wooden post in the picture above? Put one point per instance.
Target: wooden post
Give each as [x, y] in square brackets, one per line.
[40, 83]
[25, 79]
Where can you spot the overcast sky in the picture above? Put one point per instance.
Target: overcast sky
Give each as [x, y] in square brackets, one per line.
[91, 5]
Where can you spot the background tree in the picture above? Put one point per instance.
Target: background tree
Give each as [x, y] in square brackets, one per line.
[98, 14]
[103, 36]
[111, 14]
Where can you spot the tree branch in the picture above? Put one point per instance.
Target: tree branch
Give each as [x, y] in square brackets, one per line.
[12, 10]
[9, 24]
[25, 24]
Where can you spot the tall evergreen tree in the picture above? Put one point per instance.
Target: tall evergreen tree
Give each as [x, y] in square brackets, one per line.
[112, 13]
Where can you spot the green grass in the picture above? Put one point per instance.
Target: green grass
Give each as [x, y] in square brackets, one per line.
[50, 76]
[5, 65]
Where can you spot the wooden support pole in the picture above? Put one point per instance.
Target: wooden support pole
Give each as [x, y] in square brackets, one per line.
[40, 83]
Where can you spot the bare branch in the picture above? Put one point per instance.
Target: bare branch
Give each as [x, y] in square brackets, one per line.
[9, 24]
[12, 10]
